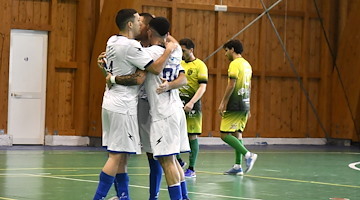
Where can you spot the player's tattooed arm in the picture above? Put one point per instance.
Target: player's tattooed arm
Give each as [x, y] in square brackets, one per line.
[132, 79]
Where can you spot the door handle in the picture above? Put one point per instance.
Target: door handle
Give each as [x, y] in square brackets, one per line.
[15, 95]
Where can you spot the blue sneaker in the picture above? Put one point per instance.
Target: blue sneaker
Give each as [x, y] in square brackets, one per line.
[190, 173]
[234, 171]
[250, 162]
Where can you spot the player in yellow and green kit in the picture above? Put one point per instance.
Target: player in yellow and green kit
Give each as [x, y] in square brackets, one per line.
[235, 106]
[197, 76]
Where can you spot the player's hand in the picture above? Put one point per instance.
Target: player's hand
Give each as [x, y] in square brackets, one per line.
[171, 46]
[163, 87]
[188, 107]
[101, 60]
[222, 109]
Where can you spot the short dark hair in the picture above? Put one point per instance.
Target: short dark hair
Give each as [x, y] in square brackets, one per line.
[123, 17]
[160, 25]
[236, 44]
[188, 43]
[148, 17]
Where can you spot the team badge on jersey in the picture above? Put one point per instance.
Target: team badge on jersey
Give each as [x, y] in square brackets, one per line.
[189, 72]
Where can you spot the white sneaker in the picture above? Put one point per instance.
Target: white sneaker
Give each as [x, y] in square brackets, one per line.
[250, 162]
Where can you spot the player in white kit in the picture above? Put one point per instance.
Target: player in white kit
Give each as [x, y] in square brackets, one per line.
[119, 108]
[168, 135]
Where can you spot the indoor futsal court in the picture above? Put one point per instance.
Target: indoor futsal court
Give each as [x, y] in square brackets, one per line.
[65, 133]
[294, 172]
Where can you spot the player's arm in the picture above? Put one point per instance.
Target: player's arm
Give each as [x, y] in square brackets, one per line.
[199, 93]
[177, 83]
[136, 78]
[157, 66]
[170, 38]
[229, 90]
[102, 65]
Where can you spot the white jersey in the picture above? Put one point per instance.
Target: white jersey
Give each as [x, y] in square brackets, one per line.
[161, 105]
[124, 56]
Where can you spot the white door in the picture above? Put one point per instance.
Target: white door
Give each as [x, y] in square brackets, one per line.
[27, 85]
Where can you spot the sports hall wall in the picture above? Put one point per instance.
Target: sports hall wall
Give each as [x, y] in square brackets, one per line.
[78, 30]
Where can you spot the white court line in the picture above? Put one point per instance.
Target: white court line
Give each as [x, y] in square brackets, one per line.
[353, 165]
[136, 186]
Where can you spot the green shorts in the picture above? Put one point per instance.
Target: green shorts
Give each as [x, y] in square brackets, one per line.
[194, 122]
[234, 121]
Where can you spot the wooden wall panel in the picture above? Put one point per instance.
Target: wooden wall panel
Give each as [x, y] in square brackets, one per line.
[205, 2]
[313, 128]
[279, 107]
[283, 110]
[5, 17]
[314, 48]
[31, 14]
[208, 108]
[346, 121]
[252, 127]
[277, 62]
[64, 102]
[61, 84]
[157, 11]
[200, 27]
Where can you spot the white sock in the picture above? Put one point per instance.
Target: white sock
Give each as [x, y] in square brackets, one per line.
[247, 155]
[237, 166]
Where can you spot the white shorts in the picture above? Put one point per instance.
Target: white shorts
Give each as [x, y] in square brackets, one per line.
[120, 132]
[144, 120]
[184, 138]
[169, 136]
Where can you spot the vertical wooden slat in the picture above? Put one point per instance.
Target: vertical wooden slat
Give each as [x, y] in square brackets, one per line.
[218, 90]
[174, 13]
[262, 122]
[304, 71]
[346, 122]
[15, 11]
[84, 36]
[326, 63]
[5, 16]
[52, 84]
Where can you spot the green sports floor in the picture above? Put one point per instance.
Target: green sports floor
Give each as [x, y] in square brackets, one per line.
[280, 173]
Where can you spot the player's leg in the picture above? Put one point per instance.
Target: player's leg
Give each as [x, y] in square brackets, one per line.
[119, 145]
[144, 121]
[154, 177]
[194, 124]
[166, 142]
[183, 185]
[229, 125]
[172, 176]
[105, 180]
[108, 174]
[249, 156]
[184, 147]
[232, 124]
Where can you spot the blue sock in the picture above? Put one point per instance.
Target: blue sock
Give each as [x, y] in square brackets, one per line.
[122, 181]
[175, 192]
[155, 178]
[105, 183]
[184, 191]
[116, 187]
